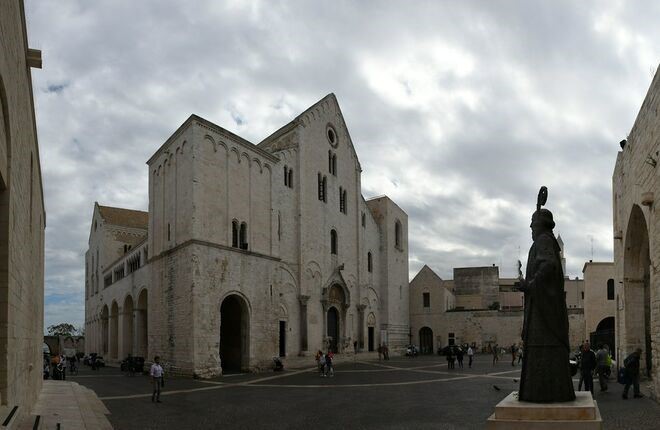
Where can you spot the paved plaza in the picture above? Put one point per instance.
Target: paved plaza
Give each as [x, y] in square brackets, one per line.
[364, 394]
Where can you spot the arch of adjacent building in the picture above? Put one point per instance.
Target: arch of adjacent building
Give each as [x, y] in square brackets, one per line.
[234, 332]
[142, 324]
[637, 288]
[5, 143]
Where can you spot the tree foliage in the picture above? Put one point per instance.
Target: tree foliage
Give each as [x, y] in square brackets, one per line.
[63, 329]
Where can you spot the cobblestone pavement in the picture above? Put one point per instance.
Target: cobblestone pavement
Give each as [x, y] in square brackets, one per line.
[400, 393]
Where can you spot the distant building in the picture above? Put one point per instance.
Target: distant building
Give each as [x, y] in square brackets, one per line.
[478, 307]
[600, 303]
[249, 251]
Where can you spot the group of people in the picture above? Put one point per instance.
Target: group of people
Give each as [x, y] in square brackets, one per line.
[56, 367]
[456, 353]
[324, 363]
[383, 352]
[600, 363]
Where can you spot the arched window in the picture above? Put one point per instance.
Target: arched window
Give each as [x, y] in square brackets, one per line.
[364, 220]
[243, 236]
[610, 289]
[329, 161]
[334, 164]
[290, 178]
[333, 241]
[286, 176]
[234, 234]
[397, 234]
[370, 264]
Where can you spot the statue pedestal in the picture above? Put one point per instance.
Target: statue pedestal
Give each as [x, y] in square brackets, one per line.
[512, 414]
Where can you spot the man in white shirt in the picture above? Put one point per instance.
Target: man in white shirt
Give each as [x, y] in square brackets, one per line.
[470, 354]
[156, 373]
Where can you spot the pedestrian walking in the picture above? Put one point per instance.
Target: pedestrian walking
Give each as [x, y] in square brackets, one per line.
[631, 364]
[470, 354]
[386, 352]
[602, 363]
[520, 354]
[587, 366]
[380, 352]
[355, 347]
[329, 370]
[513, 354]
[496, 352]
[157, 381]
[450, 357]
[459, 357]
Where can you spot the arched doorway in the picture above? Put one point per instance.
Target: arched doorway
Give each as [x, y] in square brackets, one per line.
[604, 335]
[127, 327]
[142, 322]
[114, 330]
[234, 334]
[637, 290]
[333, 328]
[426, 340]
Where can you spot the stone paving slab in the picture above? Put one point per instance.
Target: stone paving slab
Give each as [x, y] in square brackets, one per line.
[401, 393]
[72, 406]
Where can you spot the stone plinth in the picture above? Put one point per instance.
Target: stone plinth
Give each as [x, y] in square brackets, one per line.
[512, 414]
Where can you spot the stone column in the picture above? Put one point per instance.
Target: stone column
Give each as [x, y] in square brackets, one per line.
[121, 336]
[343, 322]
[303, 322]
[324, 318]
[360, 309]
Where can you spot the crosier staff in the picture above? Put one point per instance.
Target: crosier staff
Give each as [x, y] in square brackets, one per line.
[540, 201]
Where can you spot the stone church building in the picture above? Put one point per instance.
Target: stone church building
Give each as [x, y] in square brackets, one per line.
[248, 252]
[635, 184]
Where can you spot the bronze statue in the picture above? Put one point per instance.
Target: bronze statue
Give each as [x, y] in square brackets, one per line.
[546, 375]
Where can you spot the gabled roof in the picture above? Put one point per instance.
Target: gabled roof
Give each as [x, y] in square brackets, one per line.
[124, 217]
[298, 120]
[426, 270]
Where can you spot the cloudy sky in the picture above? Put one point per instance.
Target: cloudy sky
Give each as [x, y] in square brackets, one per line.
[459, 111]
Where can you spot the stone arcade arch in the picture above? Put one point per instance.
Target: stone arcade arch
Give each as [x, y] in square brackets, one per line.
[426, 340]
[637, 288]
[127, 327]
[142, 325]
[113, 341]
[234, 334]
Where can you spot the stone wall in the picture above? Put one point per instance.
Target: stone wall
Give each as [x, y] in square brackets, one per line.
[22, 218]
[636, 225]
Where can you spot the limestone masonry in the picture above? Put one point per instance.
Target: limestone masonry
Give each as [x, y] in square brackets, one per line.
[22, 221]
[635, 183]
[249, 252]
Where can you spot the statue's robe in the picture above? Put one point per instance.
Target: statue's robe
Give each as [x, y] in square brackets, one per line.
[546, 374]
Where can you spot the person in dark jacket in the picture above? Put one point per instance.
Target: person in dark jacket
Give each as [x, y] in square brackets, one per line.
[632, 373]
[587, 366]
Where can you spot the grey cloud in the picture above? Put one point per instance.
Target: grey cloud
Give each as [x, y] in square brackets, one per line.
[458, 111]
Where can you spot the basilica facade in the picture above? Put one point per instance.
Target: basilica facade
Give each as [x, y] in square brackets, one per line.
[248, 252]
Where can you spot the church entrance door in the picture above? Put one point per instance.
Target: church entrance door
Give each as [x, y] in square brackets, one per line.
[233, 334]
[426, 340]
[333, 328]
[370, 334]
